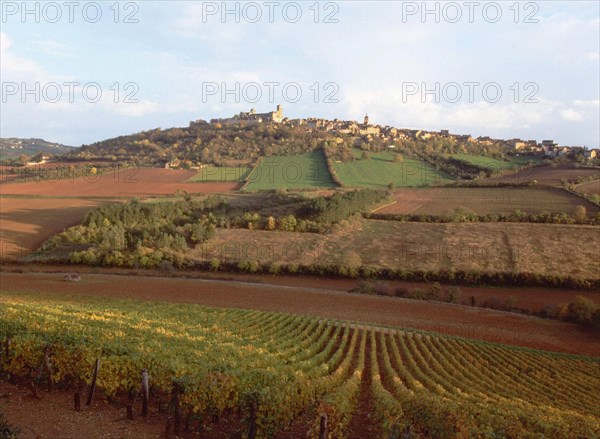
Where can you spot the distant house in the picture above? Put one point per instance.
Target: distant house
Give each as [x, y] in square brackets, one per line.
[43, 160]
[591, 154]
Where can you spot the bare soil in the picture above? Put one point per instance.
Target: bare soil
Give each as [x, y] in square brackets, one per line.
[53, 416]
[27, 222]
[590, 188]
[134, 182]
[548, 175]
[457, 320]
[484, 201]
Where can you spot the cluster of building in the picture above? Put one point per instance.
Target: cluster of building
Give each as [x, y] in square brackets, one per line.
[548, 148]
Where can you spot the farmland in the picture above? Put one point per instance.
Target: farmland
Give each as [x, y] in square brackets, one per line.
[493, 163]
[484, 201]
[133, 182]
[220, 174]
[271, 367]
[548, 175]
[484, 247]
[33, 211]
[590, 188]
[548, 249]
[303, 171]
[28, 221]
[381, 169]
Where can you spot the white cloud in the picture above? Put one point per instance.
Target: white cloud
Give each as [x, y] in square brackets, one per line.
[52, 47]
[14, 67]
[571, 115]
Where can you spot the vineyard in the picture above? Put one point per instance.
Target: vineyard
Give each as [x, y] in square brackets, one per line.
[270, 372]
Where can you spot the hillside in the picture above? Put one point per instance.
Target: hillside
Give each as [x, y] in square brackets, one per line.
[13, 147]
[239, 141]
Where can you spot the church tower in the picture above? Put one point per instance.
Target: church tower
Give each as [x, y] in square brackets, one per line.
[366, 119]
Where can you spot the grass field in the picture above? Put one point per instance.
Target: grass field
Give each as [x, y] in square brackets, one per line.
[303, 171]
[484, 201]
[274, 370]
[495, 164]
[381, 169]
[221, 174]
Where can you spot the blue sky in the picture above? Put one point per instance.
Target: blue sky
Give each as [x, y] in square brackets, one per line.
[377, 58]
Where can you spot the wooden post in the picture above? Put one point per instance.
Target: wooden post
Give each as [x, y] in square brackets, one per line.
[33, 389]
[252, 425]
[48, 366]
[129, 408]
[177, 408]
[7, 350]
[94, 379]
[145, 392]
[323, 427]
[77, 401]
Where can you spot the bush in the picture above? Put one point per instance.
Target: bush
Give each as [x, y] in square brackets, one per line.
[453, 294]
[417, 294]
[434, 292]
[402, 292]
[581, 310]
[364, 287]
[7, 431]
[274, 268]
[165, 266]
[214, 264]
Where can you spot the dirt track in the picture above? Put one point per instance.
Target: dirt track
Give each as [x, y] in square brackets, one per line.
[450, 319]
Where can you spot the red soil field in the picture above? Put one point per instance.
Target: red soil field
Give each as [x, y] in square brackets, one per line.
[134, 182]
[26, 222]
[532, 298]
[483, 201]
[547, 175]
[495, 326]
[52, 416]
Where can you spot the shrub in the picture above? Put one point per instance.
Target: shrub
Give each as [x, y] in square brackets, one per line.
[580, 214]
[402, 292]
[6, 430]
[214, 264]
[364, 287]
[434, 292]
[351, 259]
[581, 310]
[453, 294]
[165, 266]
[417, 294]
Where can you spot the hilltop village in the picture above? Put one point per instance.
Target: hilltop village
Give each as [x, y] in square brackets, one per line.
[373, 132]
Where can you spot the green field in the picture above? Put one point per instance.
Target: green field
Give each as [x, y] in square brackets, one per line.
[220, 174]
[269, 370]
[381, 169]
[495, 164]
[303, 171]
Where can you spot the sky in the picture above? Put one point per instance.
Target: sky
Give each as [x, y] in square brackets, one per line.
[80, 72]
